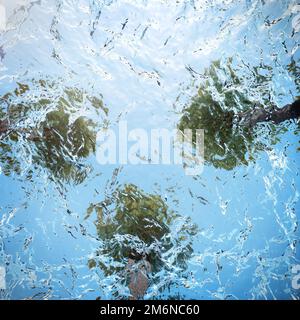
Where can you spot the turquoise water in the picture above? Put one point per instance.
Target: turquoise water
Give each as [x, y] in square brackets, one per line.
[146, 60]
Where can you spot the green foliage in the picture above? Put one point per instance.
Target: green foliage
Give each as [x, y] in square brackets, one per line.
[58, 138]
[134, 224]
[219, 107]
[63, 143]
[294, 70]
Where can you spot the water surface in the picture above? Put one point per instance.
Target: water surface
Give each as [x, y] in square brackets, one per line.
[69, 68]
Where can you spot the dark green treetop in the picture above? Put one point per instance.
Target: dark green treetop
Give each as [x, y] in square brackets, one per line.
[137, 225]
[232, 121]
[48, 120]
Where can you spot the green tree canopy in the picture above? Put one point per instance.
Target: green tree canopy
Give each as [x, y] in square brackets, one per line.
[48, 122]
[132, 224]
[226, 111]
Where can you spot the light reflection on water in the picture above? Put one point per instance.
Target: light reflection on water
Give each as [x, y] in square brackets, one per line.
[73, 67]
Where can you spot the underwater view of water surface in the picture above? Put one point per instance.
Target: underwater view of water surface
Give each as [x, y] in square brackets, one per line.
[72, 227]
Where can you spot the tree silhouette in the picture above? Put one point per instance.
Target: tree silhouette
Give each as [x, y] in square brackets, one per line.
[230, 119]
[134, 228]
[58, 138]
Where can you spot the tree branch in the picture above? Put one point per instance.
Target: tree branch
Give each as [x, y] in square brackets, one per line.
[276, 115]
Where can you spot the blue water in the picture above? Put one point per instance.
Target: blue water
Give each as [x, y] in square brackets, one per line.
[146, 59]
